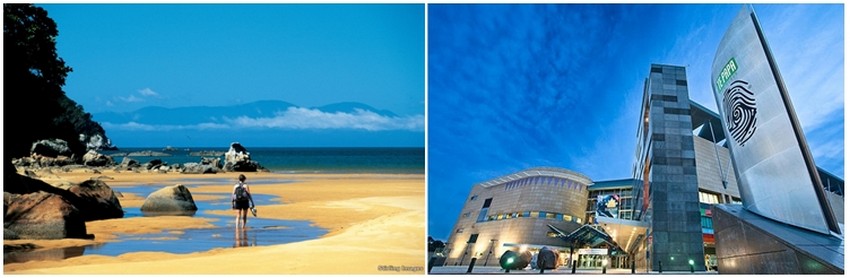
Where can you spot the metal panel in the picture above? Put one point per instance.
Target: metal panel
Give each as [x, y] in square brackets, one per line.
[771, 158]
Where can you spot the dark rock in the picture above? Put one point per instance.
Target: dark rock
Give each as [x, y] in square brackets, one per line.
[51, 148]
[154, 164]
[171, 200]
[547, 258]
[515, 260]
[128, 163]
[9, 234]
[97, 200]
[42, 215]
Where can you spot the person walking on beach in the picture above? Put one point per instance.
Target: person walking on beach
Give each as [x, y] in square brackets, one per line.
[242, 201]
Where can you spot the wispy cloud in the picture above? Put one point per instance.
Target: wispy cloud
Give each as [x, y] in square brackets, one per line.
[305, 118]
[148, 92]
[294, 118]
[131, 99]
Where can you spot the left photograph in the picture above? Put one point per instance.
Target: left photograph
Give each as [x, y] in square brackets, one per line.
[214, 139]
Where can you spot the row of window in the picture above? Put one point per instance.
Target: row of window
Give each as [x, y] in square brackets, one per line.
[544, 180]
[532, 214]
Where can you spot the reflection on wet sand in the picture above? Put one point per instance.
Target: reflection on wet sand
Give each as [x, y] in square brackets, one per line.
[54, 254]
[241, 238]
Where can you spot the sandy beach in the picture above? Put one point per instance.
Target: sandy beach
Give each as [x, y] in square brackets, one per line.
[375, 224]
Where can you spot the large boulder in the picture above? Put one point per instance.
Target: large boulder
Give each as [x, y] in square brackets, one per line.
[515, 260]
[97, 200]
[51, 148]
[171, 200]
[93, 158]
[42, 215]
[547, 259]
[238, 159]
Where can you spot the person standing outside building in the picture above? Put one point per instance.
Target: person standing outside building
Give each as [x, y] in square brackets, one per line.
[241, 201]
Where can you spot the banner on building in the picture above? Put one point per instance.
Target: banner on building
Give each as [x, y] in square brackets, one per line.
[776, 175]
[608, 206]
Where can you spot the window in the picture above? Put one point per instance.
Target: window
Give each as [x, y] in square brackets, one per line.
[541, 215]
[526, 214]
[706, 222]
[487, 203]
[482, 215]
[568, 218]
[459, 230]
[708, 198]
[550, 215]
[467, 214]
[473, 238]
[473, 198]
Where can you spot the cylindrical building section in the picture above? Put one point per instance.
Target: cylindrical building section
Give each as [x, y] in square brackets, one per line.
[512, 213]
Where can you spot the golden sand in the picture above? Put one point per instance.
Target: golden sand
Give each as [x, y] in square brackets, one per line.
[372, 221]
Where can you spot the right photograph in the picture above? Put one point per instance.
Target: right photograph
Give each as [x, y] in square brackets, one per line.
[635, 138]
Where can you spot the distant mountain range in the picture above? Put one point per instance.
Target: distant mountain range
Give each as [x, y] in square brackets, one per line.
[264, 123]
[155, 115]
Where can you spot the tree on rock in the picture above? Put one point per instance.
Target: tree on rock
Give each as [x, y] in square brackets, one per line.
[36, 107]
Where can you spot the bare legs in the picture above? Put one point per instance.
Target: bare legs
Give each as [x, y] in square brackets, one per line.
[241, 218]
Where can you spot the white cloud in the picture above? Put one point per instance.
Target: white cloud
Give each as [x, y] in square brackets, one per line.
[131, 98]
[304, 118]
[295, 118]
[148, 92]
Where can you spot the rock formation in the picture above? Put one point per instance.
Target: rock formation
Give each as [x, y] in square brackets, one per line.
[97, 200]
[42, 215]
[171, 200]
[238, 159]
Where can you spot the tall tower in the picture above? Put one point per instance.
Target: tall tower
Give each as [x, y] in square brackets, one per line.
[666, 166]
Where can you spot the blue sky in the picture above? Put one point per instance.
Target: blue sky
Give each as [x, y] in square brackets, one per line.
[126, 57]
[519, 86]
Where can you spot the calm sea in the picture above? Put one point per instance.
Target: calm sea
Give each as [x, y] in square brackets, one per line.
[307, 160]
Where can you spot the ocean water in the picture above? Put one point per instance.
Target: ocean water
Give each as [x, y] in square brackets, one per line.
[305, 160]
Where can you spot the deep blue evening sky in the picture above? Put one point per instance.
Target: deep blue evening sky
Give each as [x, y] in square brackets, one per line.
[126, 57]
[519, 86]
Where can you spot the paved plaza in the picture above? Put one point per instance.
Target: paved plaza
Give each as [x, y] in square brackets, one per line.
[561, 271]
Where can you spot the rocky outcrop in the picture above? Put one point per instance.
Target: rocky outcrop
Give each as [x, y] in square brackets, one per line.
[42, 215]
[197, 168]
[51, 148]
[93, 158]
[148, 153]
[171, 200]
[38, 160]
[128, 164]
[238, 159]
[97, 200]
[154, 164]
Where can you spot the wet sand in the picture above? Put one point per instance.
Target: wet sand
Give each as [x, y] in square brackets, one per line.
[374, 222]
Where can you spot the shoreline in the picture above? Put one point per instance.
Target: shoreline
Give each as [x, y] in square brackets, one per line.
[373, 220]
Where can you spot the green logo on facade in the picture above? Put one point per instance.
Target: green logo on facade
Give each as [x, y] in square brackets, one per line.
[728, 70]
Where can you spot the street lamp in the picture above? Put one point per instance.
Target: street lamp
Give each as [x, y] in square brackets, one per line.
[691, 263]
[604, 265]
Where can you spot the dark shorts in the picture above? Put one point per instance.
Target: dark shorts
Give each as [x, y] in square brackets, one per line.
[241, 204]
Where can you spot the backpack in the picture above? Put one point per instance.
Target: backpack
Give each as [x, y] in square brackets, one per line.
[241, 193]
